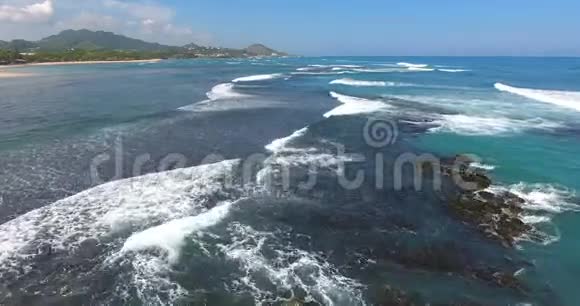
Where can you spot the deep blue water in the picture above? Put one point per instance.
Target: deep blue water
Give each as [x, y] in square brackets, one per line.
[161, 241]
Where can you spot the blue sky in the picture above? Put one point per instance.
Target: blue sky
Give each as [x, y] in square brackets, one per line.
[319, 27]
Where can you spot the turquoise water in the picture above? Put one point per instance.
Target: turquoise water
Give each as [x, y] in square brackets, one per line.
[519, 116]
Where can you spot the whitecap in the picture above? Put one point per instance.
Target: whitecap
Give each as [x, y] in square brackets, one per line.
[453, 70]
[543, 197]
[360, 83]
[224, 91]
[474, 125]
[568, 99]
[170, 236]
[113, 209]
[322, 72]
[411, 65]
[541, 203]
[281, 144]
[259, 77]
[355, 105]
[291, 269]
[420, 69]
[483, 166]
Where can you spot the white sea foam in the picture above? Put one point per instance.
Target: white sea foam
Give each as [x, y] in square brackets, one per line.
[322, 72]
[453, 70]
[420, 69]
[483, 166]
[170, 236]
[224, 91]
[355, 105]
[569, 99]
[358, 83]
[291, 269]
[531, 219]
[542, 202]
[411, 65]
[335, 66]
[543, 197]
[259, 77]
[379, 70]
[113, 209]
[474, 125]
[281, 144]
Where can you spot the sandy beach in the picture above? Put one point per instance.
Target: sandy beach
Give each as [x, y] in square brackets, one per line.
[9, 74]
[81, 63]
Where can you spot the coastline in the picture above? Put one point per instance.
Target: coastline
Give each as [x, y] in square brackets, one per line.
[79, 63]
[8, 74]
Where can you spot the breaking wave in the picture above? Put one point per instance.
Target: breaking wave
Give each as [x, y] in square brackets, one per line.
[453, 70]
[281, 144]
[355, 105]
[569, 99]
[474, 125]
[224, 91]
[359, 83]
[170, 236]
[411, 65]
[291, 269]
[113, 209]
[543, 197]
[259, 77]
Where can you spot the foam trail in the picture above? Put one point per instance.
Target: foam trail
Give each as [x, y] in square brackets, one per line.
[420, 69]
[322, 72]
[358, 83]
[544, 197]
[170, 236]
[410, 65]
[569, 99]
[291, 269]
[474, 125]
[281, 143]
[224, 91]
[259, 77]
[111, 209]
[453, 70]
[483, 166]
[335, 66]
[354, 105]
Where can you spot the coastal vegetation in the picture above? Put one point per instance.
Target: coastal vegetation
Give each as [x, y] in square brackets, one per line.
[85, 45]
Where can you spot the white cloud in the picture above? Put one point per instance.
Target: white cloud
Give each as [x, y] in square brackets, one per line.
[143, 11]
[150, 21]
[90, 21]
[35, 12]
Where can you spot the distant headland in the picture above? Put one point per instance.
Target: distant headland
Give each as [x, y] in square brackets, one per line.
[99, 46]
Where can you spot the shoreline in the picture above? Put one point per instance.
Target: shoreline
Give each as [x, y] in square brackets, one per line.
[8, 74]
[78, 63]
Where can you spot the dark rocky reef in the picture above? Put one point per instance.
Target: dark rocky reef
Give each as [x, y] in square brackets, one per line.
[497, 215]
[390, 296]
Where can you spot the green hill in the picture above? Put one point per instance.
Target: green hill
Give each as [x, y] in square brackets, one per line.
[99, 40]
[261, 50]
[84, 45]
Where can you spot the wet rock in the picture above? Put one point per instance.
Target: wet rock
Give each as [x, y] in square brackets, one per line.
[496, 216]
[498, 278]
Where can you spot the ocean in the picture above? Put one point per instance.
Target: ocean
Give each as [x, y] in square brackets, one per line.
[286, 181]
